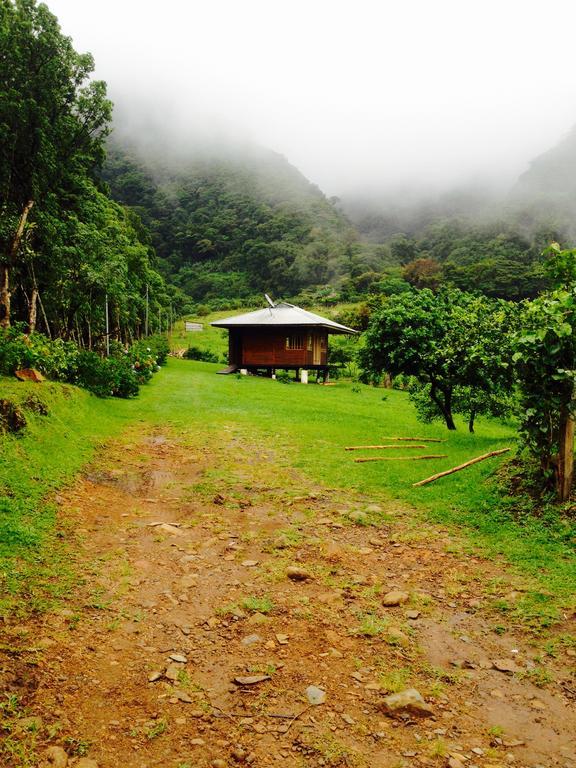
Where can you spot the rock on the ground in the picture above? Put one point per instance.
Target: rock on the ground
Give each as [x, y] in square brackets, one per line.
[395, 597]
[505, 665]
[315, 695]
[251, 679]
[407, 702]
[86, 762]
[251, 639]
[29, 374]
[57, 757]
[296, 573]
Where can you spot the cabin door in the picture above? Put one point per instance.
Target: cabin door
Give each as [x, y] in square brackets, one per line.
[316, 350]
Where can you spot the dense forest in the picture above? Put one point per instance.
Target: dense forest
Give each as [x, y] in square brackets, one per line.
[66, 248]
[227, 225]
[234, 225]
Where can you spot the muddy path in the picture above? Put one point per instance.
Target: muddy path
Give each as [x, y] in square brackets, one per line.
[222, 595]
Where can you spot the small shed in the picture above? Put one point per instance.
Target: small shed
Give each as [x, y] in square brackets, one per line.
[279, 336]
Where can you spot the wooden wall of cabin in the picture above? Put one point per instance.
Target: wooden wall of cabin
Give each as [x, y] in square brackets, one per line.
[293, 347]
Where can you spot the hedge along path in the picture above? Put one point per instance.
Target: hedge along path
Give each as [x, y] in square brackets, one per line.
[484, 456]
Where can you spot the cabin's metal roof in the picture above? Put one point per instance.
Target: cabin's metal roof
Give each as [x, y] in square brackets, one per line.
[279, 316]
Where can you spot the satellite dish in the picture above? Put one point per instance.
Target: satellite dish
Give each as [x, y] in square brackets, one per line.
[269, 300]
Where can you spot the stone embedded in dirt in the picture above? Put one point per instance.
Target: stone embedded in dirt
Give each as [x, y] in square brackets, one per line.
[218, 499]
[181, 696]
[154, 676]
[86, 762]
[454, 763]
[283, 639]
[178, 657]
[218, 763]
[197, 742]
[315, 695]
[395, 636]
[513, 743]
[412, 615]
[251, 640]
[250, 563]
[537, 704]
[406, 703]
[296, 573]
[258, 618]
[173, 671]
[239, 754]
[507, 666]
[57, 757]
[347, 719]
[169, 528]
[374, 509]
[251, 679]
[395, 597]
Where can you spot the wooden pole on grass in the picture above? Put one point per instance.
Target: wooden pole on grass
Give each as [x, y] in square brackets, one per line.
[402, 458]
[416, 439]
[461, 466]
[382, 447]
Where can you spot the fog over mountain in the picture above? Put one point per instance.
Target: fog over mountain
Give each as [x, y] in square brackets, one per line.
[361, 97]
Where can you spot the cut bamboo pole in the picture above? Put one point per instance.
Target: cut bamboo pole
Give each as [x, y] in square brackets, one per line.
[402, 458]
[416, 439]
[382, 447]
[461, 466]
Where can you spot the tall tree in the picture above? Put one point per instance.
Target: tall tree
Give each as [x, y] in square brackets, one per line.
[53, 123]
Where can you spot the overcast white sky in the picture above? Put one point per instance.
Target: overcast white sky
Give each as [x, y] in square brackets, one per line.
[356, 93]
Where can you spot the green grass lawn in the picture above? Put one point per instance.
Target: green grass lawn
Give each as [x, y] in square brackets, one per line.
[307, 427]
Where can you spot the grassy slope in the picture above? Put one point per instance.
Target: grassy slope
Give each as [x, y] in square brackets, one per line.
[309, 427]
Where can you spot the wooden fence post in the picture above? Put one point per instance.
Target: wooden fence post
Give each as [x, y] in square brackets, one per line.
[566, 455]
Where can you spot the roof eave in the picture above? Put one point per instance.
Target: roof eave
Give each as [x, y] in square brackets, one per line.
[331, 328]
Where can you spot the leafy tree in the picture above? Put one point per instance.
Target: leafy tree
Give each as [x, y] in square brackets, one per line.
[423, 273]
[451, 342]
[52, 123]
[546, 365]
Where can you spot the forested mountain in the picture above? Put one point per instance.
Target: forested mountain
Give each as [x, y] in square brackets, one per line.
[547, 191]
[231, 225]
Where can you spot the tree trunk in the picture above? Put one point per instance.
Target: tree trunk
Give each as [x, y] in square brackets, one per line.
[44, 318]
[471, 418]
[5, 294]
[32, 312]
[444, 404]
[565, 471]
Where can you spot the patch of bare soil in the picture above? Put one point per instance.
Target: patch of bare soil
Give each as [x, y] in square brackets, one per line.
[220, 592]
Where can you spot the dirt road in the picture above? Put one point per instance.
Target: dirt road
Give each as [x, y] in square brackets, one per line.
[222, 596]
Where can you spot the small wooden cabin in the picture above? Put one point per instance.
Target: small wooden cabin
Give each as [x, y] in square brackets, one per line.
[279, 336]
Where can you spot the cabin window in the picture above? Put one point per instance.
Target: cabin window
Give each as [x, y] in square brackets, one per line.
[295, 342]
[309, 347]
[323, 342]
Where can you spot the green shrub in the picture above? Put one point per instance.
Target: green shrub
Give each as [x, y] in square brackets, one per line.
[195, 353]
[107, 377]
[118, 375]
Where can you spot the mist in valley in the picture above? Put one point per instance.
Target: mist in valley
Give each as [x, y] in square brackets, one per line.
[371, 101]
